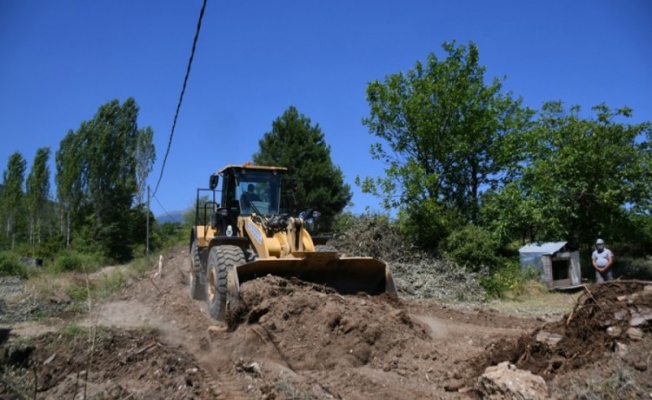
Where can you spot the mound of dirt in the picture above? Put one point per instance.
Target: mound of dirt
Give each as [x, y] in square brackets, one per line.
[288, 340]
[317, 329]
[117, 364]
[610, 322]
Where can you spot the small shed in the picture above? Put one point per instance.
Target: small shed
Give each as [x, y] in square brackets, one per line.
[557, 265]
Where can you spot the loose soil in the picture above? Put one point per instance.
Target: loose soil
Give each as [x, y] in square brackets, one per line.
[293, 340]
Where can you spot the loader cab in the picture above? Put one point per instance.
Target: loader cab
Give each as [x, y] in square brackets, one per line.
[250, 189]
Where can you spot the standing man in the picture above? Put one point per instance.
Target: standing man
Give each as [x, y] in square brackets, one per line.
[602, 258]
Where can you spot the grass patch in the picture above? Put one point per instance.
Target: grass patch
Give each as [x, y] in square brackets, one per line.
[10, 265]
[537, 303]
[72, 261]
[291, 392]
[74, 330]
[76, 286]
[112, 282]
[49, 285]
[620, 385]
[68, 282]
[78, 292]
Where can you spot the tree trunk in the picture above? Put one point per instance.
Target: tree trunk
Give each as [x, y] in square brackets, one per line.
[68, 230]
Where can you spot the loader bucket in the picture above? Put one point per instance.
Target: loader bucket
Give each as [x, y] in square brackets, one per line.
[347, 275]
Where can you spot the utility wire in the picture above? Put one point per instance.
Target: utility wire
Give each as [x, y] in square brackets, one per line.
[163, 208]
[183, 90]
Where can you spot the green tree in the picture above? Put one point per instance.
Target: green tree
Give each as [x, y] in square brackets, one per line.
[37, 195]
[299, 146]
[111, 139]
[145, 155]
[11, 202]
[510, 215]
[99, 170]
[70, 181]
[444, 134]
[579, 178]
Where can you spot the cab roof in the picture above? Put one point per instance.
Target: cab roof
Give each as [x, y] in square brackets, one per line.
[250, 167]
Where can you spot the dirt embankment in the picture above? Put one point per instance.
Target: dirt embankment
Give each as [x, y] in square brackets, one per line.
[605, 341]
[290, 339]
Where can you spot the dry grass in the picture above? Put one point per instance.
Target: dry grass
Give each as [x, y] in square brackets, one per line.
[620, 385]
[67, 286]
[536, 301]
[52, 286]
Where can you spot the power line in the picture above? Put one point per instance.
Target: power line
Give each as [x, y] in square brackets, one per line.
[183, 90]
[162, 208]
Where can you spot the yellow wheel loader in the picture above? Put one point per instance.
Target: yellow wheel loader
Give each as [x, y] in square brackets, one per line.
[245, 235]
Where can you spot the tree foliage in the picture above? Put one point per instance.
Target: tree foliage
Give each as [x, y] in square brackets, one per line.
[37, 196]
[70, 181]
[299, 146]
[472, 247]
[11, 202]
[463, 159]
[101, 170]
[145, 156]
[444, 134]
[578, 178]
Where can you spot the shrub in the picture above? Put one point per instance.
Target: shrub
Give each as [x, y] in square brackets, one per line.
[510, 278]
[472, 247]
[68, 262]
[507, 277]
[10, 265]
[78, 292]
[71, 261]
[633, 267]
[427, 224]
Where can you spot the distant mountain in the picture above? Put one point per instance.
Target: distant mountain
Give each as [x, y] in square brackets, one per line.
[172, 216]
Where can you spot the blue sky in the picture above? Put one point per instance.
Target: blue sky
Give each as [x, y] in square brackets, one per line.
[61, 60]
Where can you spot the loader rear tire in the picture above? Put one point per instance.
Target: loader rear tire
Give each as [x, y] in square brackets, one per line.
[221, 260]
[197, 274]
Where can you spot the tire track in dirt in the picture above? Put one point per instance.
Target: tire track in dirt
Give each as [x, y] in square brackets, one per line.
[310, 342]
[223, 386]
[163, 303]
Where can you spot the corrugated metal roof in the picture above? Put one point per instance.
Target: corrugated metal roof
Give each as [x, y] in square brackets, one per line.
[543, 248]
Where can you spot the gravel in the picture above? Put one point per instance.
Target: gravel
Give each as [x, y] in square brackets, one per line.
[10, 286]
[18, 306]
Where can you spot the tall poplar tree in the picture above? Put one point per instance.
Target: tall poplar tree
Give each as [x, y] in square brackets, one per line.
[100, 168]
[145, 155]
[70, 180]
[11, 201]
[37, 193]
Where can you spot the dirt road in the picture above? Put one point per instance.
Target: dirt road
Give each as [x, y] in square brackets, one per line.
[290, 340]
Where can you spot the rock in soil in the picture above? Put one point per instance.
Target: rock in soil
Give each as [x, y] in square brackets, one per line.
[505, 381]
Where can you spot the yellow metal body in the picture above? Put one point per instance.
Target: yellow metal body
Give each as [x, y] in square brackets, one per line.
[280, 244]
[291, 253]
[288, 251]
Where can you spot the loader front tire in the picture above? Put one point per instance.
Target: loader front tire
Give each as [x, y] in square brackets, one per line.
[221, 260]
[197, 274]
